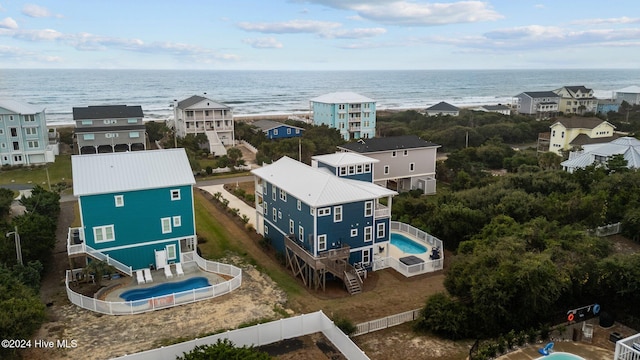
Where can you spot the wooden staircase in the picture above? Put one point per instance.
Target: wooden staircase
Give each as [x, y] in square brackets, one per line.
[353, 284]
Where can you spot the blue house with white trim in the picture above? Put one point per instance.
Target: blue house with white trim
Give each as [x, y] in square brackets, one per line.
[277, 130]
[136, 208]
[354, 115]
[321, 222]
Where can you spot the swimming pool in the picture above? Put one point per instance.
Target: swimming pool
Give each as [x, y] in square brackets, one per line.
[407, 245]
[165, 289]
[560, 356]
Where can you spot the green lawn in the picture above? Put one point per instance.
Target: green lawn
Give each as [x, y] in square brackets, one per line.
[58, 171]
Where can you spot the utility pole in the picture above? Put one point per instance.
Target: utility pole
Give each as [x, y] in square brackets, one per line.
[18, 245]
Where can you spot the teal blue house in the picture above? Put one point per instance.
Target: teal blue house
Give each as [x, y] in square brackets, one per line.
[136, 208]
[352, 114]
[328, 220]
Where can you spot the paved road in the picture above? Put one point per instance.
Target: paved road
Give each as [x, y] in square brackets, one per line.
[219, 181]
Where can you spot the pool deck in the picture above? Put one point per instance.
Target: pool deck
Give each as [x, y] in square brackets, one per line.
[396, 253]
[584, 350]
[191, 270]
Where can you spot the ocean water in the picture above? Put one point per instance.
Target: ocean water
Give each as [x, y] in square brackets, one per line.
[288, 92]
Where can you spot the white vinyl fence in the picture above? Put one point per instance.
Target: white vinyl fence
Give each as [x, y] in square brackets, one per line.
[606, 230]
[386, 322]
[264, 334]
[165, 301]
[628, 348]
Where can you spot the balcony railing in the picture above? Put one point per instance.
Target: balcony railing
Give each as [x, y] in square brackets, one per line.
[382, 211]
[77, 246]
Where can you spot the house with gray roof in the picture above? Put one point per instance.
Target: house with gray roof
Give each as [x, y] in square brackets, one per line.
[541, 104]
[442, 108]
[404, 162]
[200, 115]
[109, 128]
[576, 99]
[590, 154]
[500, 109]
[24, 136]
[277, 130]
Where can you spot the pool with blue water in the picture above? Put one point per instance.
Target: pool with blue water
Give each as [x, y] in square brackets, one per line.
[560, 356]
[407, 245]
[165, 289]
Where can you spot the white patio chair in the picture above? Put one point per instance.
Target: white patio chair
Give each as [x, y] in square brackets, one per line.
[140, 277]
[147, 275]
[179, 270]
[167, 271]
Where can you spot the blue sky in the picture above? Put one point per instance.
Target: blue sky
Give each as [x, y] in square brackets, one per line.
[319, 34]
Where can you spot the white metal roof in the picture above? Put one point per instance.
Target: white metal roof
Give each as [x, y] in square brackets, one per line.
[627, 146]
[630, 90]
[316, 187]
[342, 97]
[128, 171]
[19, 107]
[344, 159]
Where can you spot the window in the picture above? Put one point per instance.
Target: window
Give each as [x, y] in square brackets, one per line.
[175, 194]
[367, 168]
[17, 158]
[29, 118]
[299, 205]
[322, 242]
[132, 121]
[32, 144]
[283, 195]
[297, 131]
[171, 251]
[562, 136]
[341, 107]
[300, 233]
[275, 131]
[11, 117]
[111, 135]
[177, 221]
[292, 226]
[386, 169]
[279, 214]
[368, 208]
[273, 192]
[119, 199]
[553, 133]
[366, 256]
[324, 211]
[265, 209]
[16, 145]
[3, 145]
[1, 131]
[266, 230]
[166, 225]
[14, 132]
[88, 137]
[337, 213]
[380, 230]
[354, 232]
[393, 154]
[343, 170]
[103, 233]
[109, 121]
[368, 233]
[288, 131]
[352, 170]
[31, 131]
[405, 153]
[412, 166]
[359, 169]
[274, 214]
[134, 134]
[87, 122]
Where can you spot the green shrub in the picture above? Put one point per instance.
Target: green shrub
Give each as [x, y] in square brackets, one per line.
[345, 325]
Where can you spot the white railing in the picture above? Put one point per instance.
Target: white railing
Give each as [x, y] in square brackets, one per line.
[165, 301]
[263, 334]
[83, 248]
[249, 146]
[628, 348]
[418, 234]
[386, 322]
[606, 230]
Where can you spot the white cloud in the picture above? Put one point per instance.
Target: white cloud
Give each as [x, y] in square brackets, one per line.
[263, 43]
[37, 11]
[539, 6]
[416, 13]
[38, 35]
[8, 23]
[290, 27]
[620, 20]
[23, 55]
[354, 33]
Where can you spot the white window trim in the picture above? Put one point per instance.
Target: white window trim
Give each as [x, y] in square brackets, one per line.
[177, 221]
[292, 226]
[322, 242]
[283, 195]
[405, 153]
[324, 211]
[299, 205]
[171, 249]
[412, 167]
[165, 224]
[337, 213]
[368, 233]
[354, 232]
[368, 212]
[273, 192]
[175, 194]
[300, 233]
[274, 213]
[386, 169]
[393, 153]
[119, 200]
[380, 233]
[103, 232]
